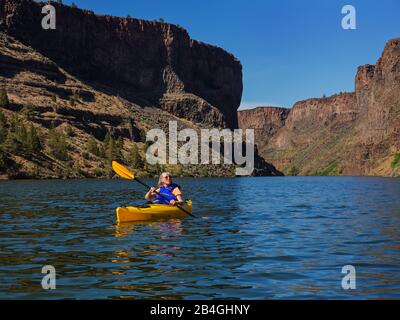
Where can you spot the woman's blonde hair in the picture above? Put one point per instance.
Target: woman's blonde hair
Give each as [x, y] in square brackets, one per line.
[162, 175]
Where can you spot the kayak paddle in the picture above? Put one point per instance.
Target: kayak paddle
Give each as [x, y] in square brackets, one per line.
[127, 174]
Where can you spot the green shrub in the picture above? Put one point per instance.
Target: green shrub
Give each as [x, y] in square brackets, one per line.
[17, 140]
[98, 172]
[396, 161]
[330, 170]
[21, 140]
[293, 171]
[58, 145]
[69, 131]
[27, 110]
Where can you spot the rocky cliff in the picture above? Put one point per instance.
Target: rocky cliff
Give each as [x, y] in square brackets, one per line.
[147, 62]
[74, 98]
[348, 133]
[266, 122]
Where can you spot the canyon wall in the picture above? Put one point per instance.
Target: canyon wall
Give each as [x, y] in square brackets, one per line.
[146, 62]
[93, 87]
[266, 122]
[349, 133]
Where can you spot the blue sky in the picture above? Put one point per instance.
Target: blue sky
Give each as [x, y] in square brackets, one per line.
[290, 50]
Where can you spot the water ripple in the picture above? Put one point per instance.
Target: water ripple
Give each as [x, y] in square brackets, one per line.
[254, 238]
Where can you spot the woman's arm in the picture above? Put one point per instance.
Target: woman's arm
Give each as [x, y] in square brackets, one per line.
[151, 193]
[178, 194]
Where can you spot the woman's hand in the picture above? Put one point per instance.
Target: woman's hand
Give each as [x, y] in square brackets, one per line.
[172, 202]
[152, 191]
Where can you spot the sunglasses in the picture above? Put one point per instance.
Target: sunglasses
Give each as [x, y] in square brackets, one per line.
[167, 177]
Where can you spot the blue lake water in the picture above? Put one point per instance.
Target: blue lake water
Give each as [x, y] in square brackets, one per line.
[253, 238]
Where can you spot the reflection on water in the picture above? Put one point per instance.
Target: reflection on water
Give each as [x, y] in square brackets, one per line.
[169, 227]
[253, 238]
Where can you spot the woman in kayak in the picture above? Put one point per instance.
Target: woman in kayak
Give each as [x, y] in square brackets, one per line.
[167, 192]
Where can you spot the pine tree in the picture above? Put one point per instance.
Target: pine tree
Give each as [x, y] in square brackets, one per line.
[17, 135]
[33, 141]
[120, 143]
[107, 139]
[92, 146]
[135, 160]
[4, 102]
[112, 149]
[21, 135]
[58, 145]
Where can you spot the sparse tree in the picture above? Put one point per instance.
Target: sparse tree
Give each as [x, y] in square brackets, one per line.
[135, 160]
[69, 131]
[17, 138]
[4, 102]
[112, 149]
[34, 145]
[92, 146]
[58, 145]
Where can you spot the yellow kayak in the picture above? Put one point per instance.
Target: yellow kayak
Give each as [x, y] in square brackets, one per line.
[152, 212]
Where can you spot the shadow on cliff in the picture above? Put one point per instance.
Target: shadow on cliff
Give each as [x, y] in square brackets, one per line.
[10, 67]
